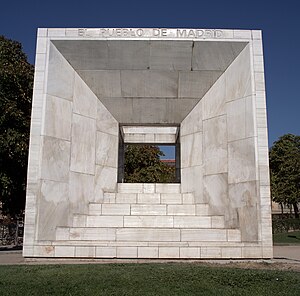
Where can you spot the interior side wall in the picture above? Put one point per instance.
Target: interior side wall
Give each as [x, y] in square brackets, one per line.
[78, 152]
[218, 149]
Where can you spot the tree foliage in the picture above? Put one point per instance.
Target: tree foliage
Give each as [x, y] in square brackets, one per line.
[16, 83]
[143, 165]
[285, 171]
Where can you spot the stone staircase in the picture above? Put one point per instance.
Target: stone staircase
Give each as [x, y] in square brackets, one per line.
[146, 221]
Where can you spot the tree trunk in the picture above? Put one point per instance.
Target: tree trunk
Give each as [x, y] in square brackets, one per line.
[296, 210]
[281, 206]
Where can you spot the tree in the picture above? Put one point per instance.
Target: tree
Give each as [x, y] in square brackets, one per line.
[143, 165]
[16, 83]
[285, 171]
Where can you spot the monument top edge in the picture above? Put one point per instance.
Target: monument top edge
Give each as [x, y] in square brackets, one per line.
[148, 33]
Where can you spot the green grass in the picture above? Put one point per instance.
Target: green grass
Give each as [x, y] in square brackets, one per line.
[144, 279]
[284, 238]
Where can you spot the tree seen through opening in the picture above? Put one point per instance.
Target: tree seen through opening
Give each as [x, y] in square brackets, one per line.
[144, 164]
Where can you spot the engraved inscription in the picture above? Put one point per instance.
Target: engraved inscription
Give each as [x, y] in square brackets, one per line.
[197, 33]
[151, 33]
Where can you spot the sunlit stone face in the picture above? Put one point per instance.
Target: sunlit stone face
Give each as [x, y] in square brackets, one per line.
[199, 89]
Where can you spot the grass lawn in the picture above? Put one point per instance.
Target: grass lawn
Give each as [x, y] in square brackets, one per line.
[144, 279]
[285, 238]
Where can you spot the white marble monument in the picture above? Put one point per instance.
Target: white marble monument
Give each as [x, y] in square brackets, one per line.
[95, 88]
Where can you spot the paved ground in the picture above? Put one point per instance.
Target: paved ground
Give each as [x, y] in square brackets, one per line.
[282, 255]
[287, 252]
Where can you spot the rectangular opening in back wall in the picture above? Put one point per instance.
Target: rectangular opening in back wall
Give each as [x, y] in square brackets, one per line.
[149, 154]
[146, 163]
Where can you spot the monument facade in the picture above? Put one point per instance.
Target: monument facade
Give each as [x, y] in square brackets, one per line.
[98, 89]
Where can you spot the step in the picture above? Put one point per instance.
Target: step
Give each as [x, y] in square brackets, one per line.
[149, 198]
[148, 209]
[149, 188]
[149, 221]
[127, 234]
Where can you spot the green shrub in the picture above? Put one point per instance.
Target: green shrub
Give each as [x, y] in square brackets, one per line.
[285, 225]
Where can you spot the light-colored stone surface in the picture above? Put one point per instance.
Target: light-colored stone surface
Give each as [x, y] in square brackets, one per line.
[241, 161]
[149, 187]
[80, 192]
[60, 80]
[215, 156]
[203, 235]
[130, 188]
[214, 101]
[55, 162]
[127, 252]
[103, 83]
[150, 138]
[126, 198]
[171, 198]
[105, 181]
[202, 209]
[115, 209]
[108, 197]
[189, 252]
[62, 233]
[233, 235]
[64, 251]
[148, 198]
[167, 188]
[104, 221]
[79, 220]
[95, 208]
[170, 55]
[148, 221]
[193, 121]
[147, 252]
[189, 86]
[105, 121]
[168, 252]
[148, 234]
[58, 118]
[181, 210]
[148, 209]
[188, 198]
[106, 252]
[106, 150]
[238, 77]
[54, 202]
[231, 253]
[215, 55]
[149, 84]
[44, 251]
[83, 145]
[84, 100]
[239, 120]
[192, 222]
[217, 222]
[191, 150]
[92, 233]
[90, 87]
[85, 252]
[192, 181]
[149, 110]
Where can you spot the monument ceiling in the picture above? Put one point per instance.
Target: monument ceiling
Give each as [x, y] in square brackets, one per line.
[149, 81]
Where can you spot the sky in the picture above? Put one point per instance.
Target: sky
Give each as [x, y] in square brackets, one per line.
[279, 21]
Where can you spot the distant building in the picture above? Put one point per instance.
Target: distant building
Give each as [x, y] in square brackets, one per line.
[170, 162]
